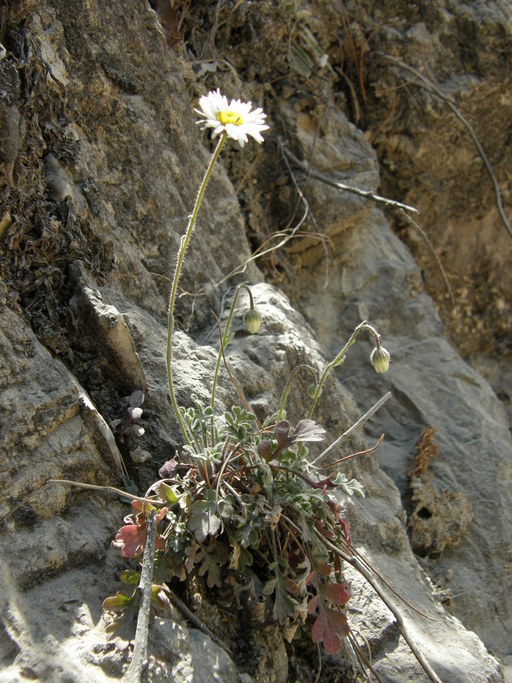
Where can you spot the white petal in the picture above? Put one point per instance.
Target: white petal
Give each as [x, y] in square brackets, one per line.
[214, 103]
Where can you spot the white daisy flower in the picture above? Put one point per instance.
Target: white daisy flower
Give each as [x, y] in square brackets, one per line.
[235, 119]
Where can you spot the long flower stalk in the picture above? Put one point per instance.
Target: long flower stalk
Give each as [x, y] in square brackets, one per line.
[174, 288]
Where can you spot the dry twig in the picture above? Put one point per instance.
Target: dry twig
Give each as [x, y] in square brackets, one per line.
[368, 194]
[140, 651]
[364, 418]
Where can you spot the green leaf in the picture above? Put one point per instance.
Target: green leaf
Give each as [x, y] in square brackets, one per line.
[299, 60]
[307, 431]
[203, 520]
[159, 596]
[226, 509]
[119, 601]
[284, 605]
[130, 576]
[166, 493]
[350, 487]
[246, 535]
[241, 558]
[211, 559]
[269, 587]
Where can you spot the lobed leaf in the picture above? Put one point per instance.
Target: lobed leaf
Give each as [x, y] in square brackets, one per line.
[203, 520]
[337, 593]
[241, 558]
[284, 605]
[329, 628]
[166, 493]
[350, 487]
[118, 602]
[307, 431]
[211, 559]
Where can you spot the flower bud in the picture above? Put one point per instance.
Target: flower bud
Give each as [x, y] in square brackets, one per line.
[252, 320]
[380, 359]
[313, 391]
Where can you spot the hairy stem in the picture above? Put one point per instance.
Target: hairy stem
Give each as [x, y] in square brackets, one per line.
[284, 397]
[225, 339]
[174, 288]
[341, 357]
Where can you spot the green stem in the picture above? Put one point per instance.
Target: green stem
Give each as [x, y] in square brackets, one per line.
[284, 398]
[174, 288]
[340, 358]
[224, 341]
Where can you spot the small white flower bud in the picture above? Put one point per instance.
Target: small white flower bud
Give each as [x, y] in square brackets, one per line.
[252, 320]
[380, 359]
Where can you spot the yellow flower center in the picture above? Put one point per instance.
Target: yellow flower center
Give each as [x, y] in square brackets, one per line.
[229, 117]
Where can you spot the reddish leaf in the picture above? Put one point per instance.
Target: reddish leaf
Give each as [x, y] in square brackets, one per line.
[338, 511]
[137, 506]
[323, 484]
[167, 469]
[281, 430]
[292, 587]
[130, 540]
[312, 604]
[265, 449]
[324, 531]
[323, 569]
[329, 627]
[336, 593]
[346, 529]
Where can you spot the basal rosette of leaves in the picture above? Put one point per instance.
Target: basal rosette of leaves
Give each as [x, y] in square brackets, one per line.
[242, 510]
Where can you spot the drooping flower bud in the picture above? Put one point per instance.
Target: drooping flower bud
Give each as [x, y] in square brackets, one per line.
[380, 359]
[313, 391]
[252, 320]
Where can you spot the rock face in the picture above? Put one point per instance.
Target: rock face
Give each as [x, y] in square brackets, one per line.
[101, 161]
[440, 118]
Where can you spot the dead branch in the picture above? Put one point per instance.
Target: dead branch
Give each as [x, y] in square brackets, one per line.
[140, 652]
[368, 194]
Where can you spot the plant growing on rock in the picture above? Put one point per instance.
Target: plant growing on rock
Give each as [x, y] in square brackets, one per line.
[243, 505]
